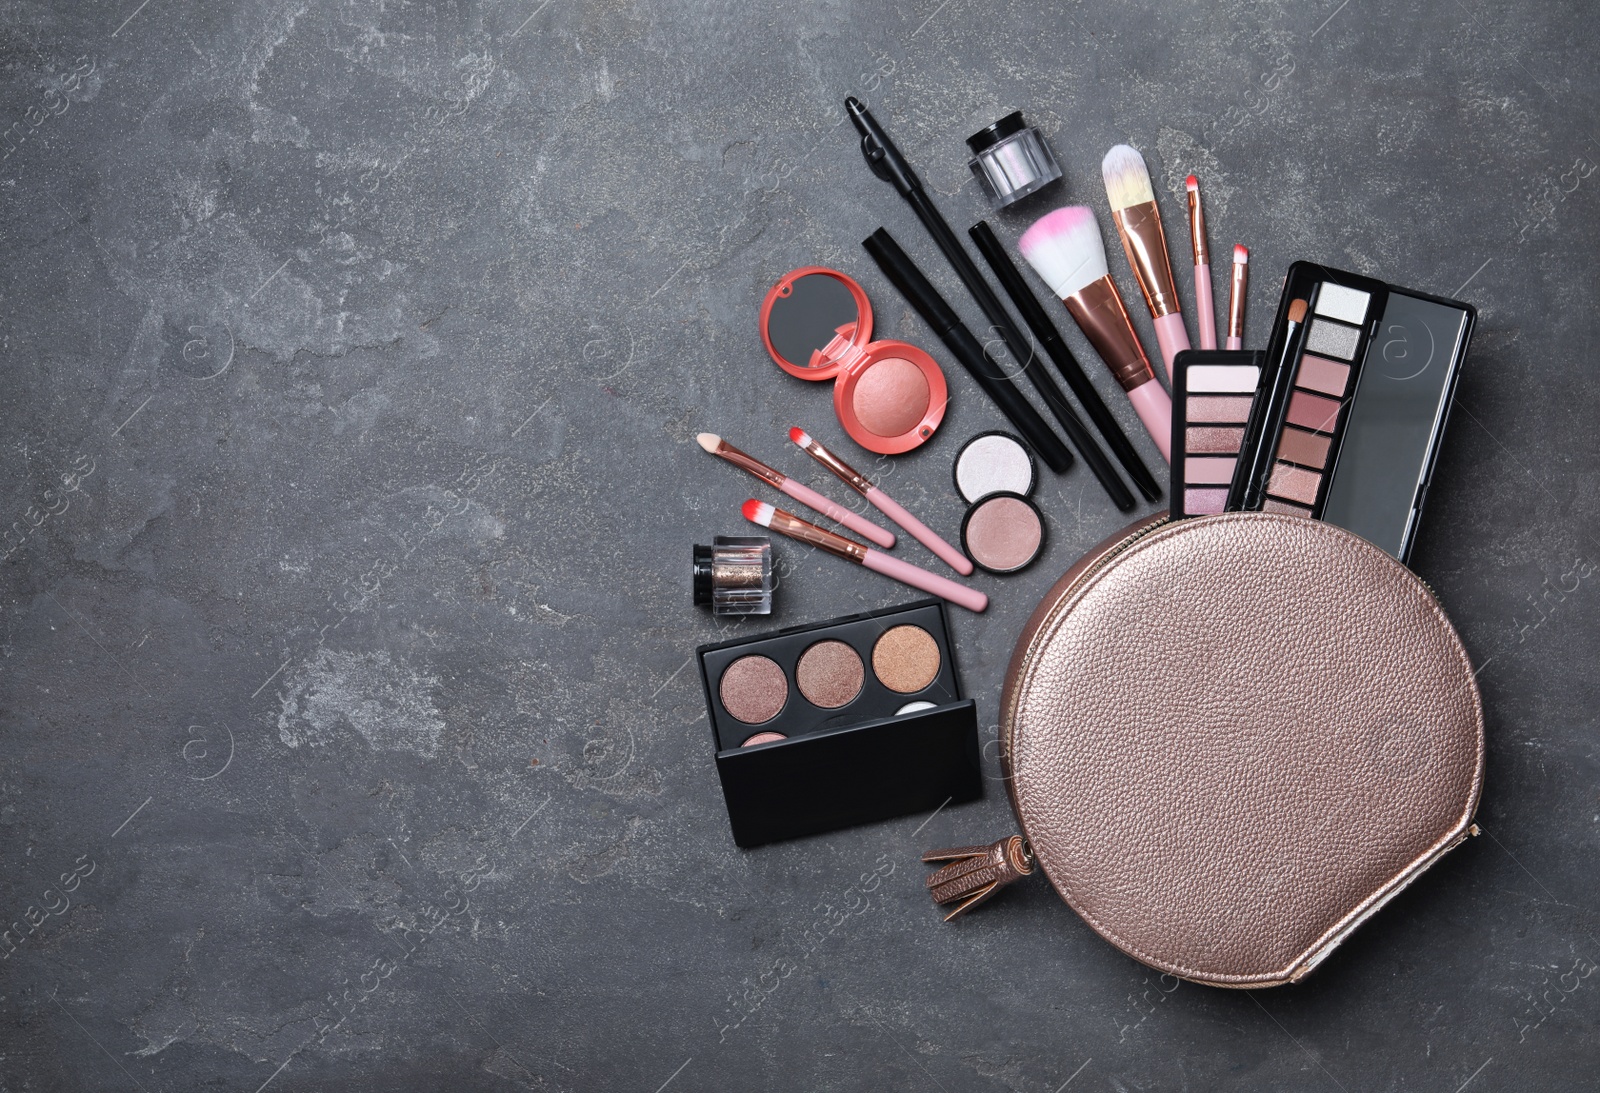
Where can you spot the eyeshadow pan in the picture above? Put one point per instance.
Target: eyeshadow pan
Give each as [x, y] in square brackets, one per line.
[1222, 378]
[1209, 470]
[1307, 449]
[1313, 411]
[763, 738]
[1002, 533]
[891, 397]
[829, 674]
[1342, 302]
[1204, 502]
[905, 658]
[1321, 374]
[1333, 339]
[1287, 508]
[1213, 439]
[1295, 483]
[754, 689]
[1219, 408]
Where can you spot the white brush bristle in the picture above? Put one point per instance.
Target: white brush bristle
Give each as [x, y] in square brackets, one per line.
[1065, 249]
[709, 441]
[800, 437]
[1127, 178]
[1241, 254]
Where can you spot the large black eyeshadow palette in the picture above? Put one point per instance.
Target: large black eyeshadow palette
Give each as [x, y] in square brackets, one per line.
[839, 764]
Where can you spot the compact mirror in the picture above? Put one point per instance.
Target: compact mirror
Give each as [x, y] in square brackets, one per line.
[809, 315]
[817, 325]
[811, 310]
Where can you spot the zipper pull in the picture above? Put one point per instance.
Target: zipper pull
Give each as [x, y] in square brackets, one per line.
[977, 872]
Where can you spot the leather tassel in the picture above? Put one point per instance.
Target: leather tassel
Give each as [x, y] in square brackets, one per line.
[975, 873]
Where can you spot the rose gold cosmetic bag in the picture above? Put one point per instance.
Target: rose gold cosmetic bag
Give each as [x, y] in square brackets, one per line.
[1229, 741]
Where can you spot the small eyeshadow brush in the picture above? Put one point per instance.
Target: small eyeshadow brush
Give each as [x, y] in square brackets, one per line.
[1255, 458]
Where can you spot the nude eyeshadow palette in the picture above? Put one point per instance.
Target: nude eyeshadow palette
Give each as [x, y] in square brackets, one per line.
[1372, 372]
[844, 722]
[1212, 395]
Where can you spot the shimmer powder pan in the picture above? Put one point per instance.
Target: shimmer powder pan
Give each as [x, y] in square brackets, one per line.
[889, 395]
[852, 720]
[994, 462]
[1003, 533]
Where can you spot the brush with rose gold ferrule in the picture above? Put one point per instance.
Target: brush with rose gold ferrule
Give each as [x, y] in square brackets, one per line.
[784, 523]
[1236, 294]
[1203, 302]
[887, 505]
[1133, 206]
[1065, 249]
[807, 496]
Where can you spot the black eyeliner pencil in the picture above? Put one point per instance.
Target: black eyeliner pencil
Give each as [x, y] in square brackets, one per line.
[908, 279]
[888, 164]
[1049, 338]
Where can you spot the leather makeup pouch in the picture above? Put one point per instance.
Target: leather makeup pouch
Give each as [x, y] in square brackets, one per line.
[1229, 741]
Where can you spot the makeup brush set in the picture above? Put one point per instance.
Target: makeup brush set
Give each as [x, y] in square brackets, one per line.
[1230, 732]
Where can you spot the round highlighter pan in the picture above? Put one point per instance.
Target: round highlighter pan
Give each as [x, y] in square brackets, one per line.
[817, 324]
[753, 689]
[830, 674]
[1003, 533]
[994, 463]
[905, 659]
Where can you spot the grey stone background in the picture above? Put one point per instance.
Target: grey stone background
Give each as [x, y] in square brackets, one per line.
[353, 357]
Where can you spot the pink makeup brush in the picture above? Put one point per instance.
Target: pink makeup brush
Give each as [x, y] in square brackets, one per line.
[1202, 266]
[886, 504]
[1065, 249]
[1236, 293]
[807, 496]
[759, 512]
[1133, 206]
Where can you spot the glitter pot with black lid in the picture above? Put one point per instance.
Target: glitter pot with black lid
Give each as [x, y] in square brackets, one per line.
[733, 576]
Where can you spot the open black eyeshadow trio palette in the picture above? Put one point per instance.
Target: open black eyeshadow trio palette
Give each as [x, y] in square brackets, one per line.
[857, 757]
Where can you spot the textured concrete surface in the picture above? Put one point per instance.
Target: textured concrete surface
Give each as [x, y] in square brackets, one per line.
[353, 354]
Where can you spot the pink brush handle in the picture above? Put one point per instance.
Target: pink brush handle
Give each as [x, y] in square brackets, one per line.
[1154, 407]
[1173, 337]
[923, 533]
[1204, 305]
[1235, 343]
[837, 513]
[943, 587]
